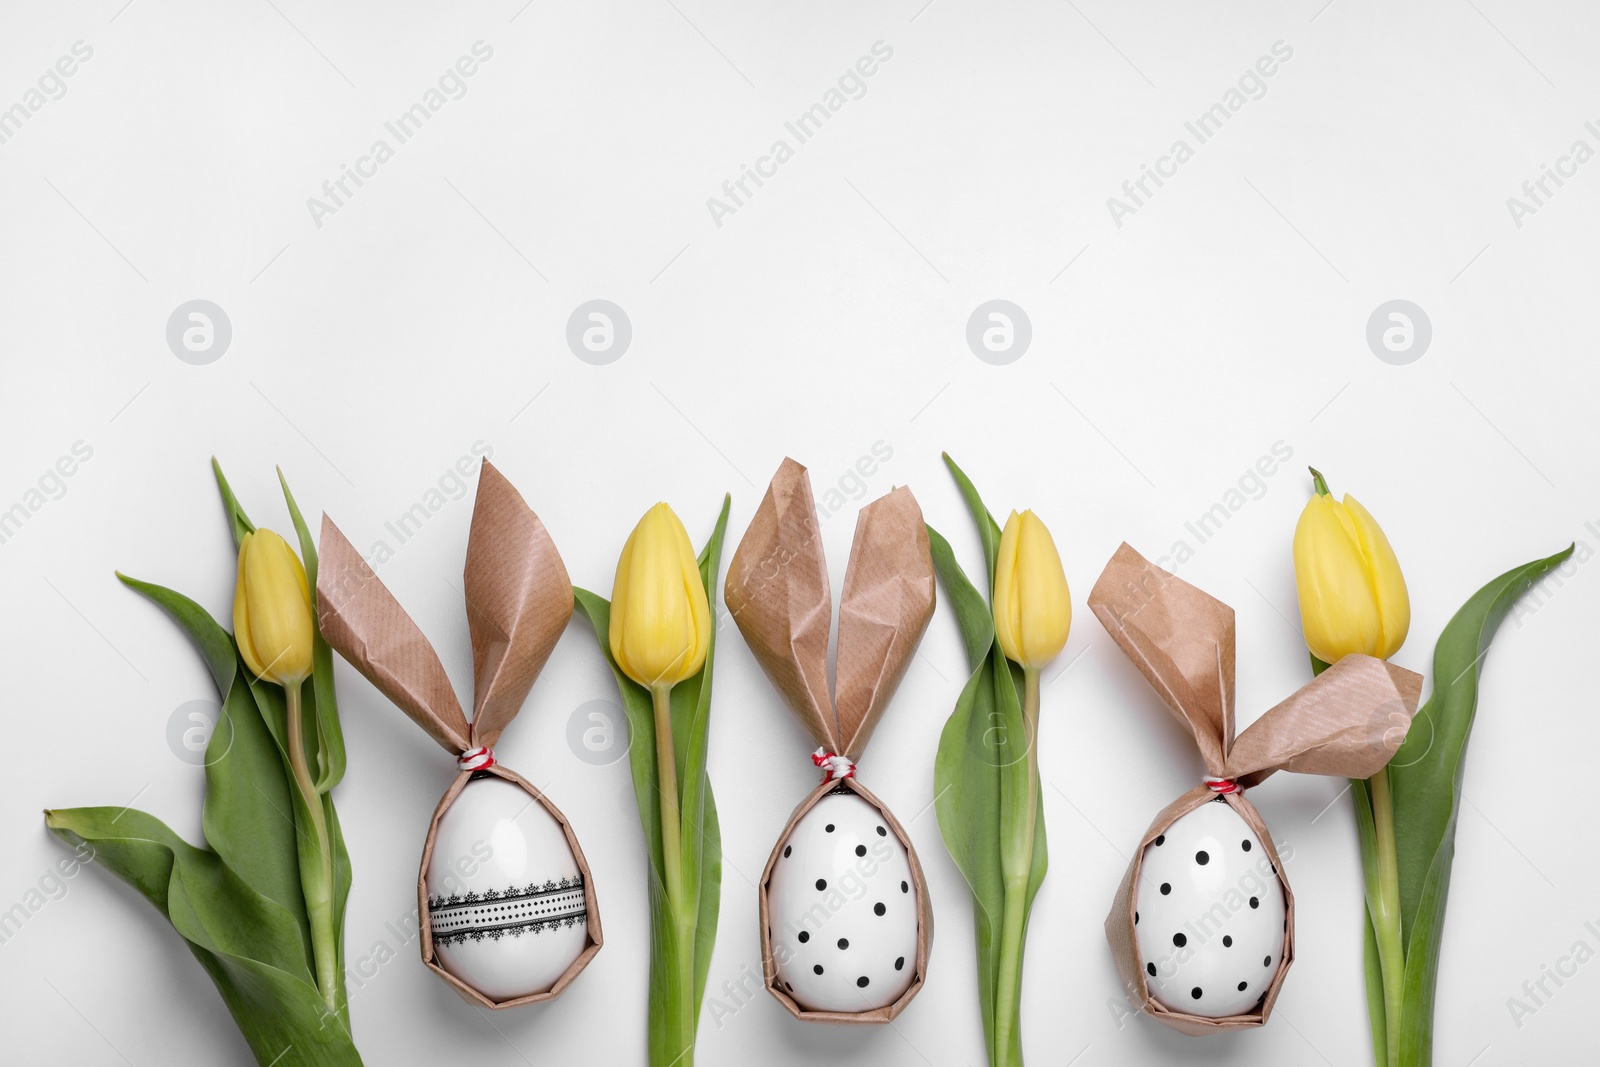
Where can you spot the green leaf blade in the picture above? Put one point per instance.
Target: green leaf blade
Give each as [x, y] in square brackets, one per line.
[213, 642]
[1425, 777]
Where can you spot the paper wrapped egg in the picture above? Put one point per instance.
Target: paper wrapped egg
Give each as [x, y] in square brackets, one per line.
[506, 904]
[843, 910]
[1210, 914]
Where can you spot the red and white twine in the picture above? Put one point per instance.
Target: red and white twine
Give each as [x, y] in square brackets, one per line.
[834, 766]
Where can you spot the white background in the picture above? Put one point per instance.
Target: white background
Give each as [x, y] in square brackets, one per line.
[826, 315]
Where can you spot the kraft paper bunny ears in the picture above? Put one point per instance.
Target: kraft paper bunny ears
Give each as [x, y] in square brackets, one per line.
[518, 599]
[778, 593]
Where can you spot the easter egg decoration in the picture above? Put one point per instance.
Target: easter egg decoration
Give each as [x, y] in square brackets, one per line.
[507, 908]
[845, 919]
[1211, 921]
[1202, 927]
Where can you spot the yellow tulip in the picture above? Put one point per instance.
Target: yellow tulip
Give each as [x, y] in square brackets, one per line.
[272, 610]
[660, 619]
[1352, 595]
[1032, 606]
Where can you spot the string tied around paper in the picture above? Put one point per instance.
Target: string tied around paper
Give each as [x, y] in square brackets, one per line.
[1222, 785]
[476, 759]
[834, 766]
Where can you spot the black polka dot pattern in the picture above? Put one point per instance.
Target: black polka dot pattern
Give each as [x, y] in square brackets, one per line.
[1267, 962]
[866, 931]
[1199, 915]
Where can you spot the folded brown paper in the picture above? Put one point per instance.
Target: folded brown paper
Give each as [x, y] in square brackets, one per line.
[1347, 722]
[778, 593]
[518, 601]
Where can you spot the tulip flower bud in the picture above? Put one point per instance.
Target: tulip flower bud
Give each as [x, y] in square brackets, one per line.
[1352, 595]
[660, 619]
[1032, 606]
[272, 610]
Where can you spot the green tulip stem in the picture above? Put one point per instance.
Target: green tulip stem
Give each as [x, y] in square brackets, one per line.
[1383, 906]
[1386, 911]
[684, 912]
[1017, 869]
[316, 883]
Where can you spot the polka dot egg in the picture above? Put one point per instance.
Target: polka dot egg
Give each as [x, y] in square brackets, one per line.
[1209, 915]
[843, 909]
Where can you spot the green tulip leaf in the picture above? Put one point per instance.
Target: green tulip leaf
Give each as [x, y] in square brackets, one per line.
[248, 944]
[248, 814]
[238, 522]
[213, 642]
[988, 529]
[1425, 777]
[973, 616]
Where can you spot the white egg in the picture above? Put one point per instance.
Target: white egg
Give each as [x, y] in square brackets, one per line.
[843, 909]
[1210, 914]
[505, 899]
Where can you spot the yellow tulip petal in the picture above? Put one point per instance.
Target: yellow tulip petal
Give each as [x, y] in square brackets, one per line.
[1007, 602]
[660, 617]
[278, 623]
[241, 616]
[1032, 604]
[1048, 603]
[1388, 581]
[1338, 607]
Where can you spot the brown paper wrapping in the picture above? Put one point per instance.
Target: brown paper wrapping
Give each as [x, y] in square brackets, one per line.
[519, 599]
[777, 590]
[1124, 941]
[1347, 723]
[769, 965]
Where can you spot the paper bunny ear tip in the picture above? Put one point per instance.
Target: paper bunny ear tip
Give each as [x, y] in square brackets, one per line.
[519, 598]
[361, 620]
